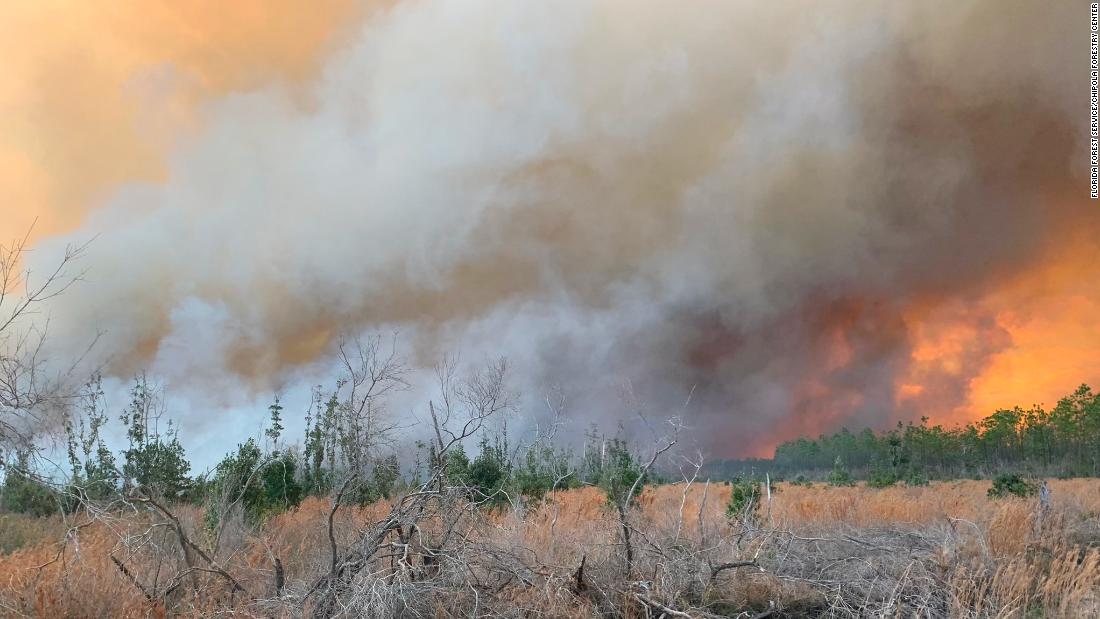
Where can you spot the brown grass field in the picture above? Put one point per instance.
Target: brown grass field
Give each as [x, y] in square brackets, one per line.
[940, 550]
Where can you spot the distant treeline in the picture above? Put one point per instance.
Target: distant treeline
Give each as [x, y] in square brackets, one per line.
[1063, 441]
[269, 476]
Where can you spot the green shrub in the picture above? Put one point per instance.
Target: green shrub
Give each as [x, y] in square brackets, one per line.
[916, 478]
[384, 477]
[263, 487]
[840, 475]
[1012, 485]
[23, 493]
[744, 498]
[457, 464]
[542, 468]
[487, 475]
[618, 473]
[882, 478]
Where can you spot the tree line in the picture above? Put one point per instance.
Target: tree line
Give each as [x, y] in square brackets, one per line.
[1063, 441]
[344, 436]
[269, 476]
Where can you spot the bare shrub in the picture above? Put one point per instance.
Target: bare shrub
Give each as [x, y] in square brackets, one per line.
[33, 393]
[934, 551]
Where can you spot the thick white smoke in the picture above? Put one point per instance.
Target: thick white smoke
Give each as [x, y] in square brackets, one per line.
[674, 194]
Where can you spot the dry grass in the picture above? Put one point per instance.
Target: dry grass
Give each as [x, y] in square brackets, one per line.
[19, 531]
[940, 550]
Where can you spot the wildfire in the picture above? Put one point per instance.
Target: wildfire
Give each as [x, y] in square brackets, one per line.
[625, 193]
[1028, 341]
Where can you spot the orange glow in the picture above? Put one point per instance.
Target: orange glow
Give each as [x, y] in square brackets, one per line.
[1052, 315]
[1048, 319]
[93, 93]
[1030, 339]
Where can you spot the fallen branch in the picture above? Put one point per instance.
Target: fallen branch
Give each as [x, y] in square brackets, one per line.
[133, 581]
[718, 569]
[188, 546]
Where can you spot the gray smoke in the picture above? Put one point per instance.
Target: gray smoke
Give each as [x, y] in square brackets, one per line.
[670, 195]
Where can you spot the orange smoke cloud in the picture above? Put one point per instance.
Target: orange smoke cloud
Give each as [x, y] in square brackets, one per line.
[1029, 338]
[819, 218]
[1048, 317]
[93, 94]
[1026, 336]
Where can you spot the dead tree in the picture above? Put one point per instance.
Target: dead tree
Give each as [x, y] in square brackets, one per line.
[464, 409]
[32, 391]
[623, 501]
[373, 370]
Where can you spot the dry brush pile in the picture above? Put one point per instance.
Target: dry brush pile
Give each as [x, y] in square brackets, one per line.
[943, 550]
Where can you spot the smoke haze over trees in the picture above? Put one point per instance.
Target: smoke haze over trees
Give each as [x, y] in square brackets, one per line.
[848, 216]
[1063, 441]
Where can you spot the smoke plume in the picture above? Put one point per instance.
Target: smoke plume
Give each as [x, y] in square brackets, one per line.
[766, 202]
